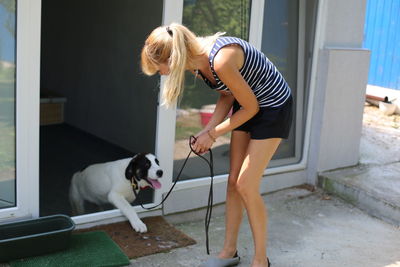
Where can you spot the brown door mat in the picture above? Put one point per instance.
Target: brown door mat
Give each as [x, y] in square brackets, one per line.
[160, 237]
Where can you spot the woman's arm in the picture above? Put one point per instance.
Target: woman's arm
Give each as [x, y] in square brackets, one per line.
[224, 104]
[227, 64]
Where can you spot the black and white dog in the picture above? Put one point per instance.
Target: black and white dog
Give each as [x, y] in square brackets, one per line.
[114, 182]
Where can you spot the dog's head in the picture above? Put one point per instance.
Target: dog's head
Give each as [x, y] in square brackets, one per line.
[144, 170]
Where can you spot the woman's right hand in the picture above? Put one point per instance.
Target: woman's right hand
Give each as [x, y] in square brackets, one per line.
[198, 134]
[202, 143]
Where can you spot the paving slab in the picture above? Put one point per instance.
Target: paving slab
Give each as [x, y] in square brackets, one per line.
[379, 145]
[373, 185]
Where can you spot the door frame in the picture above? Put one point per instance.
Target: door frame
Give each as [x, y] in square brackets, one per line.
[296, 163]
[164, 142]
[28, 27]
[173, 12]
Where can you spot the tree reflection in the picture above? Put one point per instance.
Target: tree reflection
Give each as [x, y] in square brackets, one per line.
[207, 17]
[7, 103]
[9, 6]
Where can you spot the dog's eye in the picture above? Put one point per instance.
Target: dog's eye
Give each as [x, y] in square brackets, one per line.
[156, 160]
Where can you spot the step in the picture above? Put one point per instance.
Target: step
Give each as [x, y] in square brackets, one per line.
[374, 189]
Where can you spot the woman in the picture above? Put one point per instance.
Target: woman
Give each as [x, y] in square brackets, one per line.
[262, 113]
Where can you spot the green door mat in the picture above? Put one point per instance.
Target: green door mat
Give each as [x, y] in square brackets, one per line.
[86, 249]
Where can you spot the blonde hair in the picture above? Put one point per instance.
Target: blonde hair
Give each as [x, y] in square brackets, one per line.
[178, 47]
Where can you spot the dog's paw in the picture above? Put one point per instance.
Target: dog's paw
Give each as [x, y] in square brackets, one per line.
[139, 226]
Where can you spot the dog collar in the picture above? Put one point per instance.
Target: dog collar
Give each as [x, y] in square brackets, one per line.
[134, 184]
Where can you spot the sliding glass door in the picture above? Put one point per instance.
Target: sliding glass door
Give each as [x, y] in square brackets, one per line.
[280, 23]
[7, 104]
[19, 87]
[206, 18]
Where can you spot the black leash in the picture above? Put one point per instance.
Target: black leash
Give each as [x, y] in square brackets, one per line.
[210, 163]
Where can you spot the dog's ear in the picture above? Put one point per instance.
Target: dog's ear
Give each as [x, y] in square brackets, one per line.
[129, 170]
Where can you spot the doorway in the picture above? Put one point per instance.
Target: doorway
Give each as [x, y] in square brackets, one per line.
[95, 104]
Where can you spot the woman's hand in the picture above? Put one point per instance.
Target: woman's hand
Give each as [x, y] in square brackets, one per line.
[202, 142]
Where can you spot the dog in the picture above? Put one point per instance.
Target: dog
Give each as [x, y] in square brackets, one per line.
[115, 182]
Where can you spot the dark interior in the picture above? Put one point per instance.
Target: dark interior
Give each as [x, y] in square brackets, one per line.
[96, 105]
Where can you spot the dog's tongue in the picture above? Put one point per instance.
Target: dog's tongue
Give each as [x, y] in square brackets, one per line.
[156, 184]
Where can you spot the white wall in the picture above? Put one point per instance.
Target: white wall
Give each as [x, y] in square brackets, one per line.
[345, 23]
[341, 79]
[343, 110]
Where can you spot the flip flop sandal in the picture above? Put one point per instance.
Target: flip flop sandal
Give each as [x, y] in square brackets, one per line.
[218, 262]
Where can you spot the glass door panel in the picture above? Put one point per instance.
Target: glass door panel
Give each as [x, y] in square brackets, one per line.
[206, 18]
[280, 45]
[7, 104]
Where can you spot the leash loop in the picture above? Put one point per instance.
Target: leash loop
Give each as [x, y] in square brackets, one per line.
[210, 201]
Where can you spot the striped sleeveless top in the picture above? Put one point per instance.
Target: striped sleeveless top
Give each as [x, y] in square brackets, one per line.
[267, 83]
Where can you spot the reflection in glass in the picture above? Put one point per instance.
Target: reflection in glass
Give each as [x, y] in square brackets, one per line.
[7, 103]
[197, 104]
[280, 35]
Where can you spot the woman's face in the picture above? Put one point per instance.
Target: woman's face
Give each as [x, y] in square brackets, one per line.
[163, 69]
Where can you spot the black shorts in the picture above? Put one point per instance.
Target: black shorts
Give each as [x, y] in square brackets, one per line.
[269, 122]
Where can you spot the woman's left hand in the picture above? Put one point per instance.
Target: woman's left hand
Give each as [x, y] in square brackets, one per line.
[203, 143]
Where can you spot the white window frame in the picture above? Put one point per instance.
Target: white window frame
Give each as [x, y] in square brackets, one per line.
[165, 138]
[293, 163]
[28, 16]
[172, 12]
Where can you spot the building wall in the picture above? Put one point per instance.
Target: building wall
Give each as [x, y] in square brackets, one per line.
[342, 113]
[344, 23]
[340, 83]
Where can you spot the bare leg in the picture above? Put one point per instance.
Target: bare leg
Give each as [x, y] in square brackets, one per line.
[258, 155]
[234, 205]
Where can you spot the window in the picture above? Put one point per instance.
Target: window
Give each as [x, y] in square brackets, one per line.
[206, 18]
[7, 103]
[280, 45]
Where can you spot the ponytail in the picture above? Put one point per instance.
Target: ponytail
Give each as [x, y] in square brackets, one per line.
[178, 63]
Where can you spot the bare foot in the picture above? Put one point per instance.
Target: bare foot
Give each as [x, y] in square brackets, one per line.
[225, 254]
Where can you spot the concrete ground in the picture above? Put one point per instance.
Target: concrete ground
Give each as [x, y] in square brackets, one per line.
[313, 228]
[305, 229]
[373, 185]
